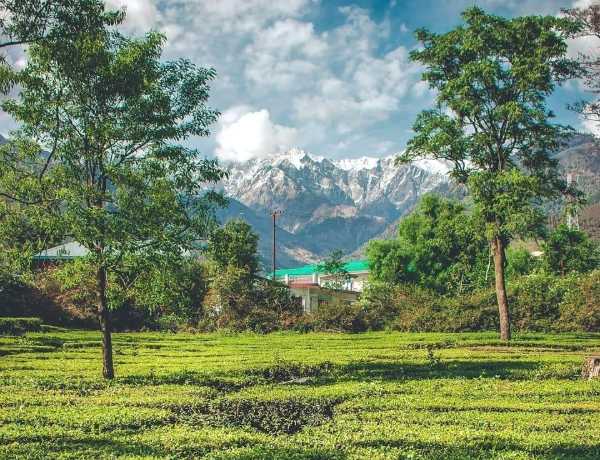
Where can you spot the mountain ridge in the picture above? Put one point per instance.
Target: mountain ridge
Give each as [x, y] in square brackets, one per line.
[330, 204]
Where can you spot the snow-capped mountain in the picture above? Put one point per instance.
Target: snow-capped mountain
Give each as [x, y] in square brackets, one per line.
[327, 204]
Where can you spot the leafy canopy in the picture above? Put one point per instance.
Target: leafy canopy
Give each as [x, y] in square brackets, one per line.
[235, 244]
[51, 22]
[569, 250]
[439, 246]
[492, 76]
[335, 266]
[99, 144]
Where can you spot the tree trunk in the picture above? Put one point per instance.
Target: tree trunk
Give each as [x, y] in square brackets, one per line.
[499, 264]
[104, 314]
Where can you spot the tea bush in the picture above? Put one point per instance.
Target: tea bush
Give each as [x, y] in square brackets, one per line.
[378, 395]
[277, 416]
[18, 326]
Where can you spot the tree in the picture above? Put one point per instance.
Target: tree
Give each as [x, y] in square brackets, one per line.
[233, 269]
[238, 298]
[390, 262]
[492, 76]
[102, 129]
[234, 244]
[439, 246]
[335, 266]
[25, 22]
[569, 250]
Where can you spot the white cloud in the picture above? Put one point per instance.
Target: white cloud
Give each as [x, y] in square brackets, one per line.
[584, 3]
[591, 126]
[141, 15]
[244, 134]
[269, 54]
[338, 77]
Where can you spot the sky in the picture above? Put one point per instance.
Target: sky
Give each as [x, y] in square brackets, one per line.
[332, 77]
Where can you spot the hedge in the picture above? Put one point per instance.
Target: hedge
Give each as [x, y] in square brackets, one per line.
[18, 326]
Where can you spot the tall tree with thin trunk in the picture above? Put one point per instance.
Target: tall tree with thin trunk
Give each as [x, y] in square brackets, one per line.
[102, 118]
[491, 78]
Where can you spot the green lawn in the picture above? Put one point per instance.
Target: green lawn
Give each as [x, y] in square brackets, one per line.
[374, 396]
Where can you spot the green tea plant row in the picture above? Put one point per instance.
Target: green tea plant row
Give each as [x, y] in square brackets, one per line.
[305, 396]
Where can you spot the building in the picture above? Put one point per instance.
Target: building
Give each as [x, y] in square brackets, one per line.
[60, 253]
[311, 285]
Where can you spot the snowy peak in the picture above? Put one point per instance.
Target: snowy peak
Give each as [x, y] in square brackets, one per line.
[300, 159]
[296, 157]
[357, 164]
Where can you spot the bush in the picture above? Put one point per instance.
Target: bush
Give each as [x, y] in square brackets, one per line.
[379, 304]
[18, 326]
[538, 302]
[580, 307]
[337, 316]
[534, 301]
[423, 311]
[285, 416]
[238, 302]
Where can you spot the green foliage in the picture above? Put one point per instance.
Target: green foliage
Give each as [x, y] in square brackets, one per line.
[239, 302]
[163, 285]
[334, 266]
[535, 301]
[19, 326]
[235, 244]
[492, 123]
[275, 417]
[138, 191]
[439, 246]
[51, 22]
[520, 262]
[397, 395]
[422, 310]
[540, 301]
[153, 293]
[379, 304]
[337, 316]
[285, 371]
[237, 297]
[580, 304]
[569, 250]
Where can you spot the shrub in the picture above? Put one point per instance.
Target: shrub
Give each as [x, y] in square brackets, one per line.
[534, 301]
[379, 304]
[18, 326]
[539, 302]
[284, 371]
[569, 250]
[338, 316]
[580, 307]
[237, 302]
[285, 416]
[423, 311]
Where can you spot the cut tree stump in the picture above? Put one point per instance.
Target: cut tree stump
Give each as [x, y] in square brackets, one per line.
[591, 368]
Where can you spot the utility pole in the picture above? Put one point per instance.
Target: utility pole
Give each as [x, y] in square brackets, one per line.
[572, 218]
[275, 214]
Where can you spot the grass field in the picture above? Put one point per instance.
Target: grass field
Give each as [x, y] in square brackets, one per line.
[321, 396]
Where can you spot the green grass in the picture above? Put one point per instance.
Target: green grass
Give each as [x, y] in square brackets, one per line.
[375, 396]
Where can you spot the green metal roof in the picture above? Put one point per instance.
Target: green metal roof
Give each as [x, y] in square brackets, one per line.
[351, 266]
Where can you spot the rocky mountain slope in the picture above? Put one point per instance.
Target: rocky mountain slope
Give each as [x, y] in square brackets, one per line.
[326, 204]
[342, 204]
